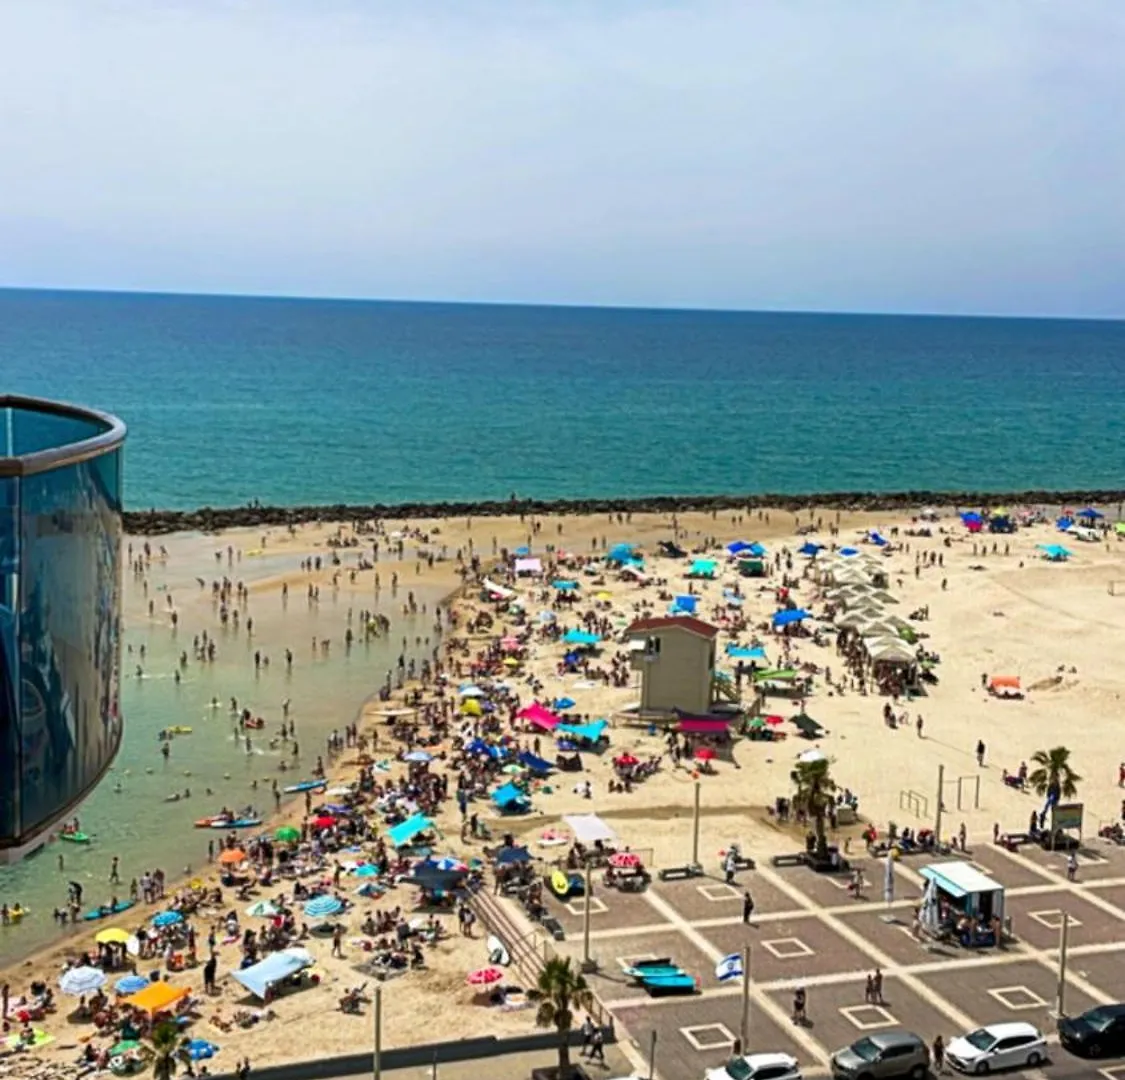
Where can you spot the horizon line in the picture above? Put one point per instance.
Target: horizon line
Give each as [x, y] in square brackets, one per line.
[547, 304]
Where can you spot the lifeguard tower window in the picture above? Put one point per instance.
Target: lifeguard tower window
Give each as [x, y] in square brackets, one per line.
[652, 646]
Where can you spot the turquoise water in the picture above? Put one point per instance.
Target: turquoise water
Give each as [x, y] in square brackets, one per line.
[291, 401]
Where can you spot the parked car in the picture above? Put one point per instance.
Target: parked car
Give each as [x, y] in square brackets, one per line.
[757, 1067]
[997, 1046]
[1098, 1031]
[883, 1054]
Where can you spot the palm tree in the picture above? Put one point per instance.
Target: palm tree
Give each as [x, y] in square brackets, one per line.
[170, 1050]
[1052, 777]
[815, 794]
[561, 990]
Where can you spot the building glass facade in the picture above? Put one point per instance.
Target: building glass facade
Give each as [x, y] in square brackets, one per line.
[60, 582]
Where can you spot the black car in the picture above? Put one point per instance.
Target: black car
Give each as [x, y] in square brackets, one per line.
[1095, 1033]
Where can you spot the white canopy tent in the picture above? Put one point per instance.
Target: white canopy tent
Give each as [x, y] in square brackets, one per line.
[589, 829]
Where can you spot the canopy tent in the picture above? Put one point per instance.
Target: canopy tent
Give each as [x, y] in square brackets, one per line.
[539, 716]
[157, 996]
[741, 652]
[405, 831]
[508, 856]
[498, 590]
[1004, 684]
[893, 652]
[564, 586]
[434, 879]
[529, 565]
[535, 763]
[737, 547]
[588, 829]
[702, 568]
[509, 797]
[591, 732]
[703, 727]
[685, 604]
[580, 637]
[785, 618]
[276, 967]
[621, 553]
[1090, 513]
[1054, 552]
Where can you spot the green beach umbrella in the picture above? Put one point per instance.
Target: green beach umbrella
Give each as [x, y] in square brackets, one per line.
[757, 722]
[124, 1047]
[288, 833]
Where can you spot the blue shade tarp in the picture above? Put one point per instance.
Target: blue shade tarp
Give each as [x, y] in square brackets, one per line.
[756, 550]
[877, 540]
[564, 586]
[621, 552]
[509, 856]
[405, 831]
[1054, 551]
[131, 984]
[738, 547]
[580, 637]
[524, 551]
[703, 568]
[849, 552]
[810, 547]
[591, 732]
[1064, 523]
[535, 763]
[972, 518]
[741, 652]
[563, 703]
[273, 969]
[686, 603]
[508, 795]
[784, 618]
[1090, 513]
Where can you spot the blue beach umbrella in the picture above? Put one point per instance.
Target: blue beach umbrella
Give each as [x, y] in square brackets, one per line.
[81, 980]
[419, 756]
[131, 984]
[201, 1049]
[323, 905]
[366, 870]
[167, 918]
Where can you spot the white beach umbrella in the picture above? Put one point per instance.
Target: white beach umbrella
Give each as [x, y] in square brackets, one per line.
[82, 980]
[811, 756]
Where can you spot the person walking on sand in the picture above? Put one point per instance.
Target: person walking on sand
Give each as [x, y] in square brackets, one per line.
[980, 752]
[114, 876]
[1071, 867]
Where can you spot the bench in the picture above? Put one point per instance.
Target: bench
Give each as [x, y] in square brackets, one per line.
[744, 862]
[680, 873]
[553, 927]
[794, 858]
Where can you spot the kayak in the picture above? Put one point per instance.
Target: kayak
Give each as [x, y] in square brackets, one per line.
[212, 822]
[305, 785]
[238, 823]
[105, 911]
[75, 837]
[179, 730]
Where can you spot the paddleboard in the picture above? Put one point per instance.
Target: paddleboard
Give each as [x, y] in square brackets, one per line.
[497, 954]
[305, 785]
[104, 913]
[241, 823]
[74, 837]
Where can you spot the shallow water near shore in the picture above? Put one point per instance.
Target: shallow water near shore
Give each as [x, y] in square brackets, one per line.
[128, 815]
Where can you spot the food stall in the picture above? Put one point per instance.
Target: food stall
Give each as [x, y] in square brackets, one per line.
[962, 903]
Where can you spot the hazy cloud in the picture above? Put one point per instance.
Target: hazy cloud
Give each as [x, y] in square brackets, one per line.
[883, 155]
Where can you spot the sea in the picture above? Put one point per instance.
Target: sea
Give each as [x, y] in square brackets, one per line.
[230, 400]
[290, 402]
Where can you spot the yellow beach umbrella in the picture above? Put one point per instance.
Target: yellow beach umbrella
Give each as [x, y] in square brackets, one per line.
[113, 936]
[511, 661]
[471, 707]
[603, 596]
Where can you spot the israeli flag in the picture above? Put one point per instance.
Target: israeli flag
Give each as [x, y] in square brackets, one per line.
[730, 967]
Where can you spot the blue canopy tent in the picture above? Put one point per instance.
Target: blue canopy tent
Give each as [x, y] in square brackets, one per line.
[510, 800]
[756, 550]
[591, 732]
[621, 553]
[971, 517]
[1090, 513]
[402, 833]
[810, 547]
[784, 618]
[741, 652]
[1063, 523]
[685, 604]
[738, 547]
[535, 763]
[580, 637]
[509, 856]
[564, 586]
[1054, 552]
[260, 977]
[702, 568]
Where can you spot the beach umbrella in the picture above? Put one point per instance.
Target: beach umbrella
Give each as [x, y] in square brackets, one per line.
[366, 870]
[324, 821]
[603, 596]
[231, 856]
[757, 723]
[485, 976]
[341, 791]
[418, 757]
[471, 707]
[201, 1049]
[113, 936]
[323, 905]
[262, 909]
[626, 761]
[82, 980]
[471, 691]
[130, 984]
[705, 753]
[126, 1046]
[167, 918]
[810, 757]
[625, 860]
[448, 862]
[288, 834]
[512, 769]
[773, 721]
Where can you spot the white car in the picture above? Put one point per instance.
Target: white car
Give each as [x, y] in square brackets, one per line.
[997, 1046]
[757, 1067]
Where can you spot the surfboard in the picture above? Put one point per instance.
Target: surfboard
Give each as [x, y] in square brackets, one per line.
[497, 954]
[98, 913]
[305, 785]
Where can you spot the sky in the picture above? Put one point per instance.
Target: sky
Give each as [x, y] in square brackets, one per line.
[883, 155]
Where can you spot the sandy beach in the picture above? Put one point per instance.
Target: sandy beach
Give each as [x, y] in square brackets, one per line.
[995, 607]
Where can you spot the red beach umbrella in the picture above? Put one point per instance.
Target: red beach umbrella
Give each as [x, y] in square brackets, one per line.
[626, 760]
[485, 976]
[705, 753]
[773, 721]
[325, 821]
[625, 860]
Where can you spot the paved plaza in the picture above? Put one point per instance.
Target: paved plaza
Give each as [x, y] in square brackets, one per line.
[808, 931]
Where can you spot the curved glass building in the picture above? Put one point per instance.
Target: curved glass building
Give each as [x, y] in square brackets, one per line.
[60, 589]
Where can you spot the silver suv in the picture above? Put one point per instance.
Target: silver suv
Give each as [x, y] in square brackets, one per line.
[883, 1054]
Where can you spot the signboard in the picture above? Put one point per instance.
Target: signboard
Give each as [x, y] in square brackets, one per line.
[1066, 816]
